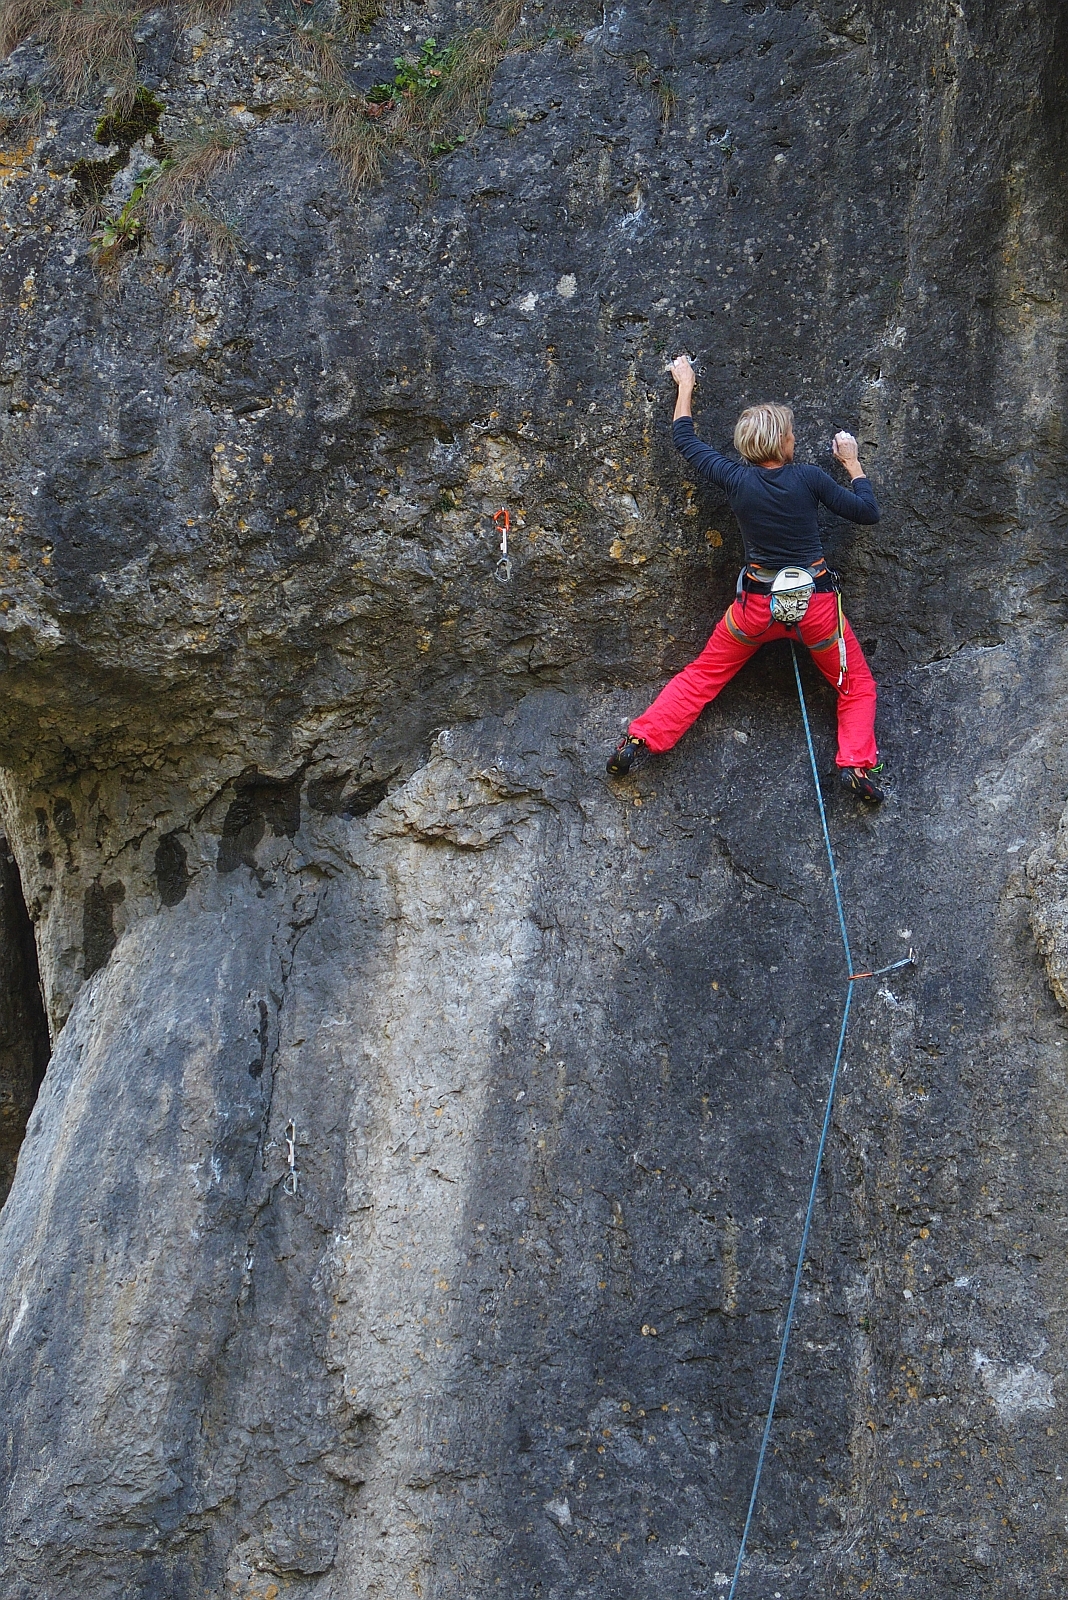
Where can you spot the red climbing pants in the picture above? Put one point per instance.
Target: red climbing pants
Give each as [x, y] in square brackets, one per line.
[737, 637]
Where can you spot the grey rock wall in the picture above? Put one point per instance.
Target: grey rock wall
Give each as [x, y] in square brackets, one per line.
[327, 878]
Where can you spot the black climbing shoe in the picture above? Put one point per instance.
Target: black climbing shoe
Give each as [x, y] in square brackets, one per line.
[622, 758]
[858, 780]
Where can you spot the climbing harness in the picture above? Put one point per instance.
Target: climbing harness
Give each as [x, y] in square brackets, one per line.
[791, 591]
[503, 524]
[853, 977]
[291, 1181]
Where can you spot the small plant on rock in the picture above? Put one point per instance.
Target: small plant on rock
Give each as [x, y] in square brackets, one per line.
[446, 146]
[123, 232]
[119, 233]
[358, 144]
[413, 79]
[27, 119]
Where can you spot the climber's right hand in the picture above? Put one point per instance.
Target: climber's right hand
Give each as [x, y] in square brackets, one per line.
[681, 370]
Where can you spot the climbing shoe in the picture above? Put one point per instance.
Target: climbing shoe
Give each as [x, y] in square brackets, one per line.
[622, 758]
[859, 781]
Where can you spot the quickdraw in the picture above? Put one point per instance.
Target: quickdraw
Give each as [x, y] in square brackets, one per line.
[503, 524]
[291, 1181]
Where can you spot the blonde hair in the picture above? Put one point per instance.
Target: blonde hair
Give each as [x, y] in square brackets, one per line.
[760, 432]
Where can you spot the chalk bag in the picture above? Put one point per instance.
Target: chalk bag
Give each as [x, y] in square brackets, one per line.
[791, 590]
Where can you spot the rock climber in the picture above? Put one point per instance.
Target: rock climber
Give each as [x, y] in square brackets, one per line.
[785, 585]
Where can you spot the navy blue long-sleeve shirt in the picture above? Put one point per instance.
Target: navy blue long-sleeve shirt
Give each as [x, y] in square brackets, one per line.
[777, 507]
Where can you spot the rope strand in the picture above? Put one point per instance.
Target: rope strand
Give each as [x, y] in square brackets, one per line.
[828, 1109]
[788, 1326]
[823, 813]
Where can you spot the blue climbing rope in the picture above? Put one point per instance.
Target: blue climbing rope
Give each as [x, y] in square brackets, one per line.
[823, 811]
[798, 1270]
[793, 1297]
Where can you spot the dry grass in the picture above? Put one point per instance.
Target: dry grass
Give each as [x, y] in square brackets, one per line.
[357, 142]
[207, 151]
[91, 41]
[201, 11]
[503, 15]
[478, 55]
[27, 121]
[315, 51]
[359, 135]
[358, 16]
[667, 97]
[221, 236]
[420, 122]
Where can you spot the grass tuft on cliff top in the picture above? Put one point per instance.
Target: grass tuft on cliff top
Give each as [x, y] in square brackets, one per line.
[428, 108]
[90, 41]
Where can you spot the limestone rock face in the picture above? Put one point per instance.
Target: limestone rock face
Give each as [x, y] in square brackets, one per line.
[1047, 874]
[410, 1204]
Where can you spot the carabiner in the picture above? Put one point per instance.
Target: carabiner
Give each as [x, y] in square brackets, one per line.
[503, 524]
